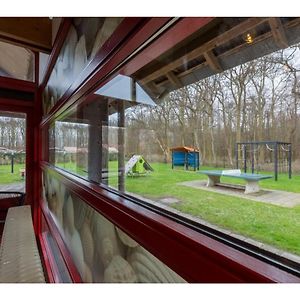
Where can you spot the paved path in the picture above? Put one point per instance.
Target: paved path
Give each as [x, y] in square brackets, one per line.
[14, 187]
[280, 198]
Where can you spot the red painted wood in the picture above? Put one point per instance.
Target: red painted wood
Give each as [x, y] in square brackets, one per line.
[126, 26]
[194, 256]
[146, 28]
[36, 69]
[57, 45]
[36, 177]
[75, 276]
[47, 260]
[17, 84]
[183, 29]
[15, 105]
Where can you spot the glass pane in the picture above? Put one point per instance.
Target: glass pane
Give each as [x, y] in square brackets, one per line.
[12, 151]
[43, 62]
[148, 134]
[86, 36]
[101, 251]
[16, 62]
[61, 270]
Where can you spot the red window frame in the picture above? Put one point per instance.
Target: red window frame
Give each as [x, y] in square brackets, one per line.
[194, 256]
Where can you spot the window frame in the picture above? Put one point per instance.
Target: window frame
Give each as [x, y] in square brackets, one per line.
[222, 261]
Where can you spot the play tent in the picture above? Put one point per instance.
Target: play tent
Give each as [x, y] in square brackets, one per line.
[137, 165]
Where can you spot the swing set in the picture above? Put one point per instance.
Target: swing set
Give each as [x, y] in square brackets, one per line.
[277, 153]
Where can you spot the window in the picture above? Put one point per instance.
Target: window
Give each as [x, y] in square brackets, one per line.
[16, 62]
[12, 151]
[85, 38]
[101, 251]
[145, 135]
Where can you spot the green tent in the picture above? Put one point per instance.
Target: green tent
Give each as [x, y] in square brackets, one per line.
[137, 165]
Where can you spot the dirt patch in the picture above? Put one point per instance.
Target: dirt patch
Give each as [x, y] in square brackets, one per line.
[169, 200]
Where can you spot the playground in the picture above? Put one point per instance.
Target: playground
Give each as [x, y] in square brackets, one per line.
[275, 225]
[258, 217]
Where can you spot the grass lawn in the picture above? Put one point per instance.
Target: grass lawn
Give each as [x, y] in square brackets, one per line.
[6, 177]
[271, 224]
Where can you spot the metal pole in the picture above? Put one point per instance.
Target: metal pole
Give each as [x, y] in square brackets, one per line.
[252, 158]
[185, 160]
[290, 161]
[172, 159]
[237, 155]
[245, 158]
[276, 161]
[12, 163]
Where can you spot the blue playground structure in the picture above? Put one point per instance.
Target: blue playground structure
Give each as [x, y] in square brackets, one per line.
[186, 157]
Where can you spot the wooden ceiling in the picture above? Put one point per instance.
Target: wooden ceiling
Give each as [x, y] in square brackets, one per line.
[220, 45]
[32, 33]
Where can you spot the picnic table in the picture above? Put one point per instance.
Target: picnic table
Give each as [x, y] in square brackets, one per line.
[252, 180]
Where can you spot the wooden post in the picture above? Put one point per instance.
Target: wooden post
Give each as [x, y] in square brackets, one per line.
[96, 113]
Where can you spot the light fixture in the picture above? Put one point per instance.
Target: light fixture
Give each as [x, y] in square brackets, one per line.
[249, 36]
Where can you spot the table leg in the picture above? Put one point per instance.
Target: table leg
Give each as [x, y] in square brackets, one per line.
[213, 180]
[252, 187]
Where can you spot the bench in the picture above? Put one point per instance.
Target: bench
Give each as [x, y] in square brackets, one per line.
[19, 256]
[252, 180]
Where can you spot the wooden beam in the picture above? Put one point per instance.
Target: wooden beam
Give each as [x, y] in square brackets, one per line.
[232, 51]
[174, 79]
[278, 32]
[217, 41]
[153, 88]
[212, 61]
[33, 33]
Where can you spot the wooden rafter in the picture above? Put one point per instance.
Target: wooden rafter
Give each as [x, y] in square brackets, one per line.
[278, 32]
[174, 79]
[219, 40]
[258, 39]
[212, 61]
[154, 88]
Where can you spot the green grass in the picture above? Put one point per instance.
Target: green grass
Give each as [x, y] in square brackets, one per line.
[271, 224]
[6, 177]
